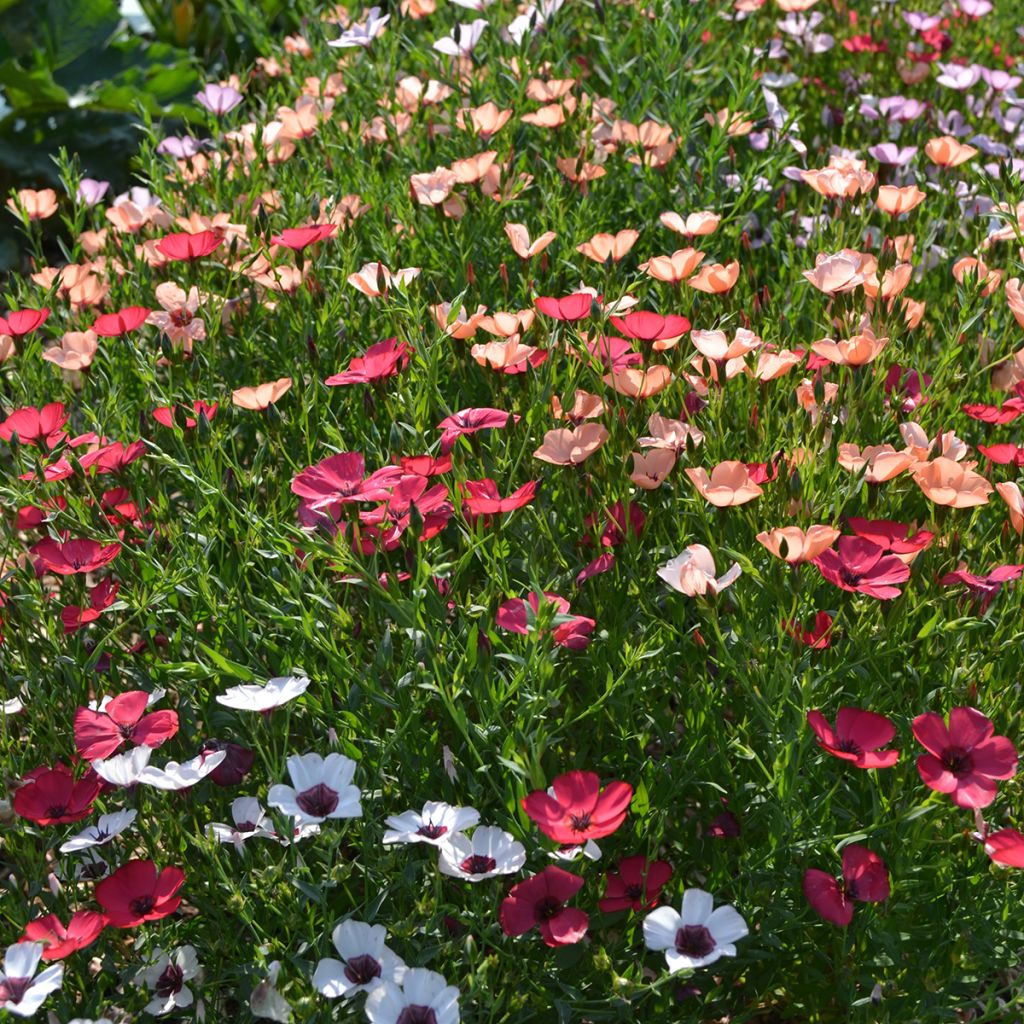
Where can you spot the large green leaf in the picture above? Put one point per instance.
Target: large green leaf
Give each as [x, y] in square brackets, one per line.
[56, 32]
[33, 90]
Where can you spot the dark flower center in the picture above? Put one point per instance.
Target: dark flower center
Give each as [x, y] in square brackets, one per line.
[246, 826]
[56, 811]
[579, 822]
[361, 970]
[141, 905]
[169, 983]
[694, 940]
[181, 317]
[547, 908]
[957, 761]
[13, 989]
[634, 892]
[847, 746]
[318, 801]
[478, 864]
[431, 831]
[97, 869]
[849, 577]
[417, 1014]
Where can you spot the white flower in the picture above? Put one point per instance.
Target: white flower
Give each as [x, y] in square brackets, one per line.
[490, 851]
[322, 789]
[436, 824]
[421, 991]
[22, 991]
[277, 691]
[108, 826]
[13, 706]
[91, 865]
[266, 1001]
[474, 5]
[133, 767]
[365, 33]
[249, 818]
[573, 851]
[462, 39]
[166, 977]
[692, 572]
[366, 963]
[123, 769]
[696, 937]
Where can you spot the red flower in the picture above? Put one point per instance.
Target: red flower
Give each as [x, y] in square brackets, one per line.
[83, 929]
[188, 246]
[856, 737]
[620, 521]
[165, 414]
[983, 588]
[570, 307]
[35, 426]
[20, 322]
[614, 353]
[98, 734]
[469, 421]
[52, 796]
[74, 556]
[1004, 454]
[645, 326]
[579, 809]
[636, 885]
[724, 826]
[964, 759]
[891, 536]
[113, 457]
[601, 564]
[858, 565]
[110, 325]
[135, 892]
[426, 465]
[299, 238]
[818, 637]
[540, 901]
[865, 880]
[482, 498]
[101, 597]
[1007, 413]
[1006, 847]
[380, 361]
[574, 634]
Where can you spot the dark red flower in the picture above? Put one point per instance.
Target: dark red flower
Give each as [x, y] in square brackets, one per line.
[74, 556]
[165, 414]
[644, 326]
[235, 766]
[725, 826]
[858, 565]
[907, 383]
[110, 325]
[188, 246]
[98, 734]
[574, 633]
[964, 760]
[819, 636]
[540, 902]
[857, 736]
[53, 796]
[865, 879]
[385, 359]
[299, 238]
[601, 564]
[20, 322]
[570, 307]
[101, 597]
[578, 809]
[620, 521]
[636, 885]
[36, 426]
[82, 930]
[1009, 411]
[136, 892]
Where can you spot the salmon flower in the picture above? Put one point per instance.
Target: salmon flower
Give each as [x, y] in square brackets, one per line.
[879, 462]
[730, 483]
[637, 383]
[1010, 493]
[262, 395]
[859, 350]
[716, 278]
[704, 222]
[521, 244]
[675, 268]
[37, 205]
[651, 468]
[795, 545]
[605, 248]
[896, 201]
[946, 482]
[569, 446]
[946, 151]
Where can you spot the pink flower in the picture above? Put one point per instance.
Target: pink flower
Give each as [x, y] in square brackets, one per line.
[982, 589]
[574, 633]
[818, 637]
[540, 901]
[1006, 847]
[469, 421]
[482, 498]
[178, 318]
[36, 426]
[571, 307]
[577, 809]
[862, 567]
[74, 556]
[380, 361]
[865, 880]
[857, 736]
[964, 759]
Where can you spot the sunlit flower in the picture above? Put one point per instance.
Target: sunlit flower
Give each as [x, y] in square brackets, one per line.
[437, 824]
[487, 853]
[321, 789]
[697, 935]
[366, 962]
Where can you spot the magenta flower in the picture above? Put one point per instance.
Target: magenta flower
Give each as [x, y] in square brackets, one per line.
[857, 737]
[982, 589]
[865, 880]
[964, 759]
[540, 902]
[573, 633]
[858, 565]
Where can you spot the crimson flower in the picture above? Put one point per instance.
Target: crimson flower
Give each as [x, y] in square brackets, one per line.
[385, 359]
[482, 498]
[74, 556]
[188, 246]
[426, 465]
[165, 414]
[983, 589]
[36, 426]
[601, 564]
[113, 457]
[724, 826]
[53, 796]
[644, 326]
[620, 521]
[570, 307]
[907, 385]
[540, 901]
[891, 536]
[1006, 847]
[98, 734]
[574, 634]
[964, 759]
[636, 885]
[82, 930]
[856, 737]
[101, 597]
[110, 325]
[1004, 454]
[299, 238]
[614, 353]
[1007, 413]
[818, 637]
[136, 892]
[865, 879]
[20, 322]
[862, 567]
[577, 809]
[469, 421]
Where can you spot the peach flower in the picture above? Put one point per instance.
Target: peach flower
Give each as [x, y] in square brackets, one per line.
[262, 395]
[1010, 493]
[585, 406]
[178, 318]
[859, 350]
[471, 169]
[675, 268]
[949, 483]
[948, 152]
[521, 244]
[693, 572]
[432, 188]
[636, 383]
[989, 279]
[1015, 299]
[569, 446]
[75, 351]
[801, 546]
[716, 279]
[669, 434]
[728, 484]
[734, 122]
[651, 468]
[881, 462]
[604, 247]
[899, 200]
[485, 120]
[374, 279]
[836, 272]
[772, 363]
[38, 205]
[704, 222]
[715, 345]
[463, 326]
